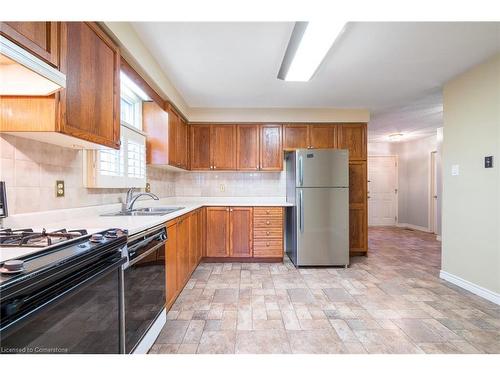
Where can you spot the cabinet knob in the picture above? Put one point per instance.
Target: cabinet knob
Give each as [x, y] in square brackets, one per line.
[267, 244]
[227, 209]
[267, 233]
[267, 212]
[231, 210]
[268, 222]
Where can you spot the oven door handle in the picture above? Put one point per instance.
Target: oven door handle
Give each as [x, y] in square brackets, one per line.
[145, 254]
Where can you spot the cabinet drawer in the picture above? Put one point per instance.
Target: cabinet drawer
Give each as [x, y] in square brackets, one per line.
[260, 222]
[268, 233]
[268, 211]
[267, 248]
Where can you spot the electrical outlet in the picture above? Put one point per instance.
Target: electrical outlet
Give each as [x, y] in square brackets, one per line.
[222, 188]
[59, 188]
[148, 187]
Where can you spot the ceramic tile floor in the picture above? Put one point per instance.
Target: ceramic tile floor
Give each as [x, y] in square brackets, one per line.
[389, 302]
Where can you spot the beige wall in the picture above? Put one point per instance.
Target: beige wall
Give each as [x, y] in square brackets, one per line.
[471, 200]
[278, 115]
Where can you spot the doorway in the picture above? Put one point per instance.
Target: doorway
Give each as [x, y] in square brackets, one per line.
[382, 190]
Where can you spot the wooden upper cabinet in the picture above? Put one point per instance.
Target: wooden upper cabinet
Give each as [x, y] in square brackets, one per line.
[39, 38]
[271, 148]
[295, 136]
[155, 125]
[200, 147]
[223, 147]
[217, 231]
[241, 231]
[173, 137]
[352, 137]
[323, 136]
[247, 147]
[182, 143]
[90, 103]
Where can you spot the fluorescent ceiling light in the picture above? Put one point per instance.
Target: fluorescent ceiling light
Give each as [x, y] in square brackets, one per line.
[395, 137]
[308, 46]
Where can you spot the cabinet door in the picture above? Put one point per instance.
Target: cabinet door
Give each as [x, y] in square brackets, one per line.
[247, 147]
[182, 144]
[241, 231]
[173, 136]
[171, 263]
[90, 104]
[40, 38]
[358, 206]
[295, 136]
[358, 183]
[217, 232]
[193, 241]
[352, 137]
[155, 125]
[271, 148]
[322, 136]
[182, 251]
[223, 147]
[200, 147]
[358, 230]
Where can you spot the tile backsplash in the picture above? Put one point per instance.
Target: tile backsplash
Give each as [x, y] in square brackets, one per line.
[30, 170]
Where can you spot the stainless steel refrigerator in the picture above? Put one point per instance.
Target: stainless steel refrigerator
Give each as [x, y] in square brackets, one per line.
[317, 225]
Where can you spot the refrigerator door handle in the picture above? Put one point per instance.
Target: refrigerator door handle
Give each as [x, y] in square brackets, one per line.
[301, 171]
[301, 214]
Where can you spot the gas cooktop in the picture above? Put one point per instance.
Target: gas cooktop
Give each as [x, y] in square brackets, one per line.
[30, 238]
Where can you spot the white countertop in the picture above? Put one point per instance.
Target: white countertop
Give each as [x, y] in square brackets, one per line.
[89, 217]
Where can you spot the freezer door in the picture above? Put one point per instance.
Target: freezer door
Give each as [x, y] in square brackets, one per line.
[322, 226]
[322, 168]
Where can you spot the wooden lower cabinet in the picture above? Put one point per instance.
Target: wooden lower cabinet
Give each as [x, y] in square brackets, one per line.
[358, 207]
[240, 231]
[171, 263]
[183, 252]
[268, 232]
[217, 236]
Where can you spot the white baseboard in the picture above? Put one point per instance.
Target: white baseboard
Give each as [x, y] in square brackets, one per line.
[411, 226]
[150, 337]
[471, 287]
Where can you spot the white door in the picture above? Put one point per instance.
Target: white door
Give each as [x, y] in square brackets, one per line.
[433, 191]
[382, 190]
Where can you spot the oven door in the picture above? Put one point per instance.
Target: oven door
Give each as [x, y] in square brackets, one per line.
[144, 286]
[85, 318]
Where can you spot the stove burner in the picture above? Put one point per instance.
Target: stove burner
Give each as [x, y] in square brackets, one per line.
[29, 238]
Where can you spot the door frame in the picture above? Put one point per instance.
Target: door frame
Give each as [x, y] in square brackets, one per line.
[432, 216]
[396, 167]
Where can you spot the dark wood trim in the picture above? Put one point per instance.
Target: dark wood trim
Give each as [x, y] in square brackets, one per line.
[141, 82]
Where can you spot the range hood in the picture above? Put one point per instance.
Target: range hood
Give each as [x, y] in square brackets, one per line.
[23, 74]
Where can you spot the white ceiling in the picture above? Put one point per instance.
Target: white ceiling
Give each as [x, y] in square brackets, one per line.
[381, 66]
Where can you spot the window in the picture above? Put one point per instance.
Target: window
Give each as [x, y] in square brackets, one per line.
[124, 168]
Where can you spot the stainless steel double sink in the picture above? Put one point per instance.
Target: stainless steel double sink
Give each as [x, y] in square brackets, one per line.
[146, 211]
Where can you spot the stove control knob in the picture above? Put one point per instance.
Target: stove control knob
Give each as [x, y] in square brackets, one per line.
[97, 237]
[111, 234]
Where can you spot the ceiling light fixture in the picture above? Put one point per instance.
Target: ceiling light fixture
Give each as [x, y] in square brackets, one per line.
[396, 137]
[308, 46]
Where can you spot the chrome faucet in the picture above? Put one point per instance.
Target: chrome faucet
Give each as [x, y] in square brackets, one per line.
[131, 198]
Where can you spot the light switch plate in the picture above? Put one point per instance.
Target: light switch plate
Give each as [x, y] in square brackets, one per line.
[455, 170]
[59, 188]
